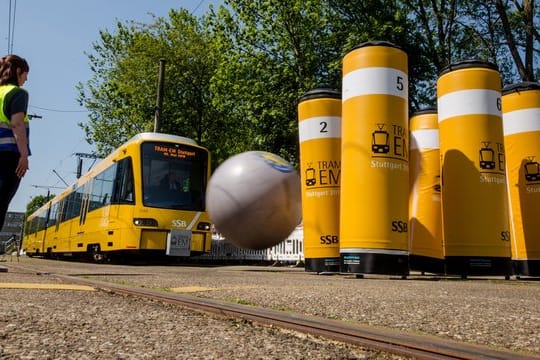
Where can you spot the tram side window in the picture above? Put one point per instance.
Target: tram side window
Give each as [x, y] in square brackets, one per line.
[30, 226]
[108, 185]
[61, 212]
[33, 225]
[123, 193]
[102, 188]
[54, 214]
[74, 200]
[95, 196]
[42, 220]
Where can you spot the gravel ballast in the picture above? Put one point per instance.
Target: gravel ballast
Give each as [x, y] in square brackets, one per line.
[67, 324]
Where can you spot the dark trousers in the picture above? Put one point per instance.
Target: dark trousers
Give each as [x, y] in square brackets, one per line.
[9, 181]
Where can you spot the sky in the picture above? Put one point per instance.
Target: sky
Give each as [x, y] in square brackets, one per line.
[53, 37]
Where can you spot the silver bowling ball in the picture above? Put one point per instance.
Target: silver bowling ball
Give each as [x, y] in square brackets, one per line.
[254, 199]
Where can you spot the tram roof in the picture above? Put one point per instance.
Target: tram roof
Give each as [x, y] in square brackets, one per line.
[154, 136]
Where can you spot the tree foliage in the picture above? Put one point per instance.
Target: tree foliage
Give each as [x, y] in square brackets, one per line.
[36, 202]
[499, 31]
[516, 24]
[273, 51]
[121, 96]
[233, 77]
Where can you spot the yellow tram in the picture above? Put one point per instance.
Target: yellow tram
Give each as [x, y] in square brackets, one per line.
[146, 198]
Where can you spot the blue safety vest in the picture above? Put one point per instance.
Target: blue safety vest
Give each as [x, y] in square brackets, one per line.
[7, 139]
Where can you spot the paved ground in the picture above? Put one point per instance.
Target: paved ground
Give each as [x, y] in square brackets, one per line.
[489, 311]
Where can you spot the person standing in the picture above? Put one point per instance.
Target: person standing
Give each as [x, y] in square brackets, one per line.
[14, 128]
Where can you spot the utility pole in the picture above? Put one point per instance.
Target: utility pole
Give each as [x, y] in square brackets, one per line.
[80, 161]
[159, 100]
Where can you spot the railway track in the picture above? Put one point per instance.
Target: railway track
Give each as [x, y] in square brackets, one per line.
[387, 340]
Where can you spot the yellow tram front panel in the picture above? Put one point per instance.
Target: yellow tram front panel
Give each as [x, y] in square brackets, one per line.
[171, 221]
[375, 168]
[474, 200]
[319, 128]
[425, 224]
[521, 119]
[153, 239]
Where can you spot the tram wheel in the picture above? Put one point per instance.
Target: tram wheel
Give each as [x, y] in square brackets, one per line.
[95, 253]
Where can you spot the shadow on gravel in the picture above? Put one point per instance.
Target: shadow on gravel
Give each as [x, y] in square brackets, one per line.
[108, 274]
[474, 278]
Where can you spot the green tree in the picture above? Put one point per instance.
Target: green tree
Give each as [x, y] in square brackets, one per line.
[499, 31]
[521, 38]
[121, 95]
[272, 52]
[358, 21]
[36, 202]
[233, 78]
[447, 31]
[275, 51]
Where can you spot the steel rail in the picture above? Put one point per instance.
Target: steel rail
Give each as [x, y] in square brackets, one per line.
[424, 347]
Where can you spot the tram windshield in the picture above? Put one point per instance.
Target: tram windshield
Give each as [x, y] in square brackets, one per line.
[174, 176]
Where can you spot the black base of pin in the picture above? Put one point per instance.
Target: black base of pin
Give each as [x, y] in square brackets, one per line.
[478, 265]
[426, 264]
[373, 263]
[526, 267]
[323, 265]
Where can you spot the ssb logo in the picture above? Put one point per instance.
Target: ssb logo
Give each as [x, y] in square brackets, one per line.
[329, 239]
[178, 223]
[399, 226]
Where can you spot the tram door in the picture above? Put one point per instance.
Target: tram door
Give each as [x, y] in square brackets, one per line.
[41, 236]
[80, 198]
[84, 204]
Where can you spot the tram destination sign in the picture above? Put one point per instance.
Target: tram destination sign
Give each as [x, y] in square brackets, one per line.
[173, 151]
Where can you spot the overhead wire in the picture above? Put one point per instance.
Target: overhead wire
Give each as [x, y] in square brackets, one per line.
[11, 35]
[197, 7]
[57, 110]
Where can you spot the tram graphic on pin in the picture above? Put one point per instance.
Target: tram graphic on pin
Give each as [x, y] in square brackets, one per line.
[532, 169]
[380, 139]
[487, 156]
[310, 176]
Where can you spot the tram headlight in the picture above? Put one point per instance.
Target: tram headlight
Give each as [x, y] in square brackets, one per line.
[145, 222]
[203, 226]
